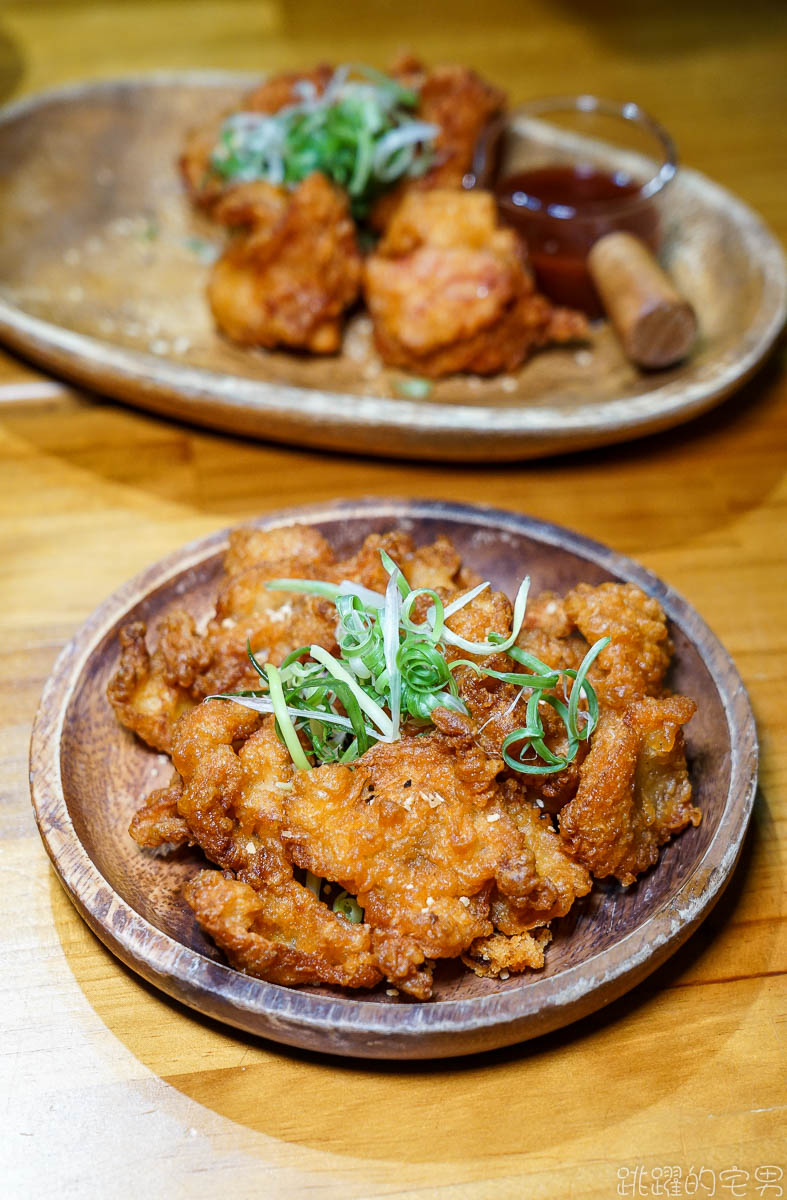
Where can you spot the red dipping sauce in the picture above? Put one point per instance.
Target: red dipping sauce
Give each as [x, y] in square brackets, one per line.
[561, 211]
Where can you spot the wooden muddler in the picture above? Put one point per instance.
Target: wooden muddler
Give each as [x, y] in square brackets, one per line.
[656, 326]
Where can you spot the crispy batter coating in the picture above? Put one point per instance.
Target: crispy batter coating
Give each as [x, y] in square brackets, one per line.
[637, 660]
[449, 851]
[149, 691]
[560, 880]
[158, 823]
[143, 698]
[291, 269]
[448, 290]
[418, 831]
[284, 936]
[500, 955]
[634, 791]
[266, 921]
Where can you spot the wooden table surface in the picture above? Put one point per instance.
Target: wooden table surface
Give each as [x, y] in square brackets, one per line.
[109, 1089]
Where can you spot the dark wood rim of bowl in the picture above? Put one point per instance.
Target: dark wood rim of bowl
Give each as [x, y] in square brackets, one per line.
[345, 420]
[362, 1028]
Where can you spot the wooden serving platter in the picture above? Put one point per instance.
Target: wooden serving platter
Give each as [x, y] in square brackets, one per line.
[102, 280]
[88, 776]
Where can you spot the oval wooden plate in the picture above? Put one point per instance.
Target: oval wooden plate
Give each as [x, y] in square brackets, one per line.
[88, 776]
[102, 280]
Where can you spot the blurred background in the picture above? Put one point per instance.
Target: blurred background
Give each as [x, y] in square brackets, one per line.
[730, 56]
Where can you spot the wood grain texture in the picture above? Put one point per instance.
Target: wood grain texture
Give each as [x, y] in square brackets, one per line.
[109, 1089]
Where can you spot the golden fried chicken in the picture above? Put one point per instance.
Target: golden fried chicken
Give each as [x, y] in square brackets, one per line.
[634, 791]
[266, 921]
[291, 269]
[500, 955]
[448, 289]
[636, 661]
[158, 823]
[419, 831]
[284, 936]
[150, 690]
[560, 878]
[449, 849]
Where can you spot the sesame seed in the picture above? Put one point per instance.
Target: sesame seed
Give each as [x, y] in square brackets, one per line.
[465, 900]
[251, 847]
[504, 975]
[391, 992]
[492, 817]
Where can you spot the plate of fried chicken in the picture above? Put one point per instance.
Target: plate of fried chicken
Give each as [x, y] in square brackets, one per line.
[394, 779]
[311, 259]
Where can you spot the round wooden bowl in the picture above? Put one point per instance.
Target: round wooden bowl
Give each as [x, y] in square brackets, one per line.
[88, 776]
[103, 275]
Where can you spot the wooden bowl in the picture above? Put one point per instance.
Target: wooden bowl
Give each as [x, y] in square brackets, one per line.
[102, 281]
[88, 776]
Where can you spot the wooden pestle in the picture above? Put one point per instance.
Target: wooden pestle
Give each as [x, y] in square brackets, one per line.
[656, 326]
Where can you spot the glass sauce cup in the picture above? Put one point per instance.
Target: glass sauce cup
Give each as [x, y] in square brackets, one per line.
[568, 170]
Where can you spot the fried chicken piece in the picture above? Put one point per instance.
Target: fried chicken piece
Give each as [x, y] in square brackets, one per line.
[281, 935]
[561, 880]
[300, 544]
[448, 289]
[636, 661]
[461, 104]
[149, 691]
[634, 791]
[235, 772]
[158, 823]
[418, 833]
[501, 955]
[144, 700]
[292, 268]
[205, 186]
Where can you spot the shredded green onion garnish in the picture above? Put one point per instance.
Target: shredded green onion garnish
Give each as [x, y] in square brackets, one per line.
[392, 668]
[361, 132]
